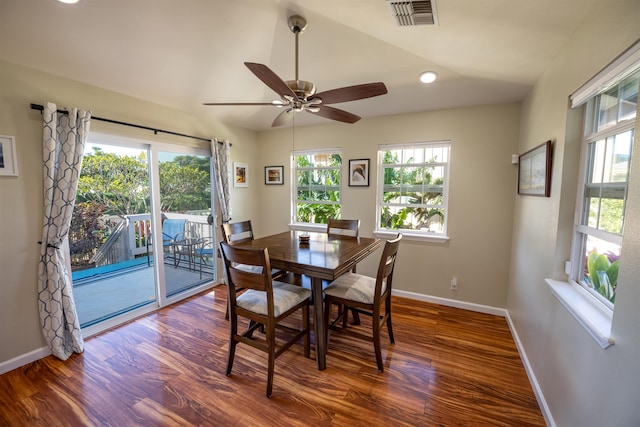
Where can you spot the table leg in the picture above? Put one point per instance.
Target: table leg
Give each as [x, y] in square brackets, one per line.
[318, 323]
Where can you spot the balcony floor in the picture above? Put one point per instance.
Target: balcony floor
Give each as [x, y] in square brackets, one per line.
[105, 293]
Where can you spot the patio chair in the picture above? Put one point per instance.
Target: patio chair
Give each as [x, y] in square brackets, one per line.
[172, 232]
[204, 251]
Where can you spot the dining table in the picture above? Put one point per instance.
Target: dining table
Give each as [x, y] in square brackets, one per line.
[320, 257]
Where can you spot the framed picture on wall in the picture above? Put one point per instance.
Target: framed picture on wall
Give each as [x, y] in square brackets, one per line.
[359, 173]
[8, 159]
[240, 174]
[534, 171]
[274, 175]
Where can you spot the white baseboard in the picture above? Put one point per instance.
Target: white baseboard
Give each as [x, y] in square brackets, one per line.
[23, 359]
[452, 303]
[546, 412]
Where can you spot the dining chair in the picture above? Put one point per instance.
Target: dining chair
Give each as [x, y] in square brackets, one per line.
[345, 227]
[239, 232]
[366, 295]
[265, 302]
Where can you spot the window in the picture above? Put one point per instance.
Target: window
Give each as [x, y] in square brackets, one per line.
[413, 185]
[607, 145]
[316, 192]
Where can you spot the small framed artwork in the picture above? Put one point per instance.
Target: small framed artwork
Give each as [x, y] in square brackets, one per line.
[8, 159]
[274, 175]
[240, 174]
[534, 171]
[359, 173]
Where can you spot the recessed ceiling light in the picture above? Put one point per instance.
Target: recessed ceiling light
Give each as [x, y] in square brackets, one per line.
[69, 1]
[428, 77]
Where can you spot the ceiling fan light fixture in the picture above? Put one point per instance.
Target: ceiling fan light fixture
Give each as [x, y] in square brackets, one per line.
[278, 103]
[428, 77]
[69, 1]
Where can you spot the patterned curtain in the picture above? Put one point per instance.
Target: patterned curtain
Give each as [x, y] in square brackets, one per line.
[64, 138]
[222, 160]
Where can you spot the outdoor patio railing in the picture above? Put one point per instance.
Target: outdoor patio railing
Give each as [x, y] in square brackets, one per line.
[132, 237]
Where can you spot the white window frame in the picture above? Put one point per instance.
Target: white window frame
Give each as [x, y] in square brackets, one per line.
[417, 235]
[590, 312]
[307, 226]
[580, 230]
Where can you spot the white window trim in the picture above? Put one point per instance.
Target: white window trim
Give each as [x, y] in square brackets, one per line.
[391, 234]
[408, 234]
[592, 315]
[617, 70]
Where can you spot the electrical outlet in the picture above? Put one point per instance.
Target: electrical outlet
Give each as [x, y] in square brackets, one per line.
[454, 283]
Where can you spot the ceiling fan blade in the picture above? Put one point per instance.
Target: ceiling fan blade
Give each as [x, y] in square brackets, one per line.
[283, 118]
[242, 103]
[335, 114]
[271, 79]
[351, 93]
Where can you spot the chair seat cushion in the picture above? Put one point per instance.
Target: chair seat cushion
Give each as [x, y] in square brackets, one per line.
[285, 296]
[256, 269]
[248, 268]
[354, 287]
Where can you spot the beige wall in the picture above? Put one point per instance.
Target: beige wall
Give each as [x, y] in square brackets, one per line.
[21, 197]
[482, 191]
[582, 384]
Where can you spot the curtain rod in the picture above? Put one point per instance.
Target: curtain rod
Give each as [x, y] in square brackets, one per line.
[154, 130]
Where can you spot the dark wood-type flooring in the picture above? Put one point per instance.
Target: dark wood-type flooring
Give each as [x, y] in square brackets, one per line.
[449, 367]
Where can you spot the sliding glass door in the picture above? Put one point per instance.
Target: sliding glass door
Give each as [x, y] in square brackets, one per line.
[111, 265]
[185, 203]
[129, 193]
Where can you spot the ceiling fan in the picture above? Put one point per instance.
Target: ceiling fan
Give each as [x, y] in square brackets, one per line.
[300, 95]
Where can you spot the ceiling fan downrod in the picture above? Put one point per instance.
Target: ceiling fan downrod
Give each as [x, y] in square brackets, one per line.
[303, 89]
[297, 25]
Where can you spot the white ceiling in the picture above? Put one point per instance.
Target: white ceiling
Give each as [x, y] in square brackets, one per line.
[181, 53]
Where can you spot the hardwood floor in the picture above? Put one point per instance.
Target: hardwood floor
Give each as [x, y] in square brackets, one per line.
[449, 367]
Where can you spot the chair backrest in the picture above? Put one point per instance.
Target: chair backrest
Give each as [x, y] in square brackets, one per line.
[237, 232]
[387, 264]
[243, 278]
[173, 229]
[343, 227]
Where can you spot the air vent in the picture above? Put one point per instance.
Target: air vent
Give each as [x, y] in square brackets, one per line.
[414, 12]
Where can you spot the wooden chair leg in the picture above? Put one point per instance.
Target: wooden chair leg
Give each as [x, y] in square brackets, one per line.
[343, 311]
[376, 342]
[327, 314]
[271, 342]
[389, 327]
[356, 317]
[305, 326]
[233, 329]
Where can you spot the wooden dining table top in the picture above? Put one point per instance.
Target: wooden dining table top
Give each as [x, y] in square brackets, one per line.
[325, 257]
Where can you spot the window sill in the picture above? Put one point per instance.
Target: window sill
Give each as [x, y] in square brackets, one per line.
[318, 228]
[436, 238]
[593, 316]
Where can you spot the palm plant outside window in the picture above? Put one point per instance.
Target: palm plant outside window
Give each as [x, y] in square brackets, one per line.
[318, 175]
[413, 187]
[609, 132]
